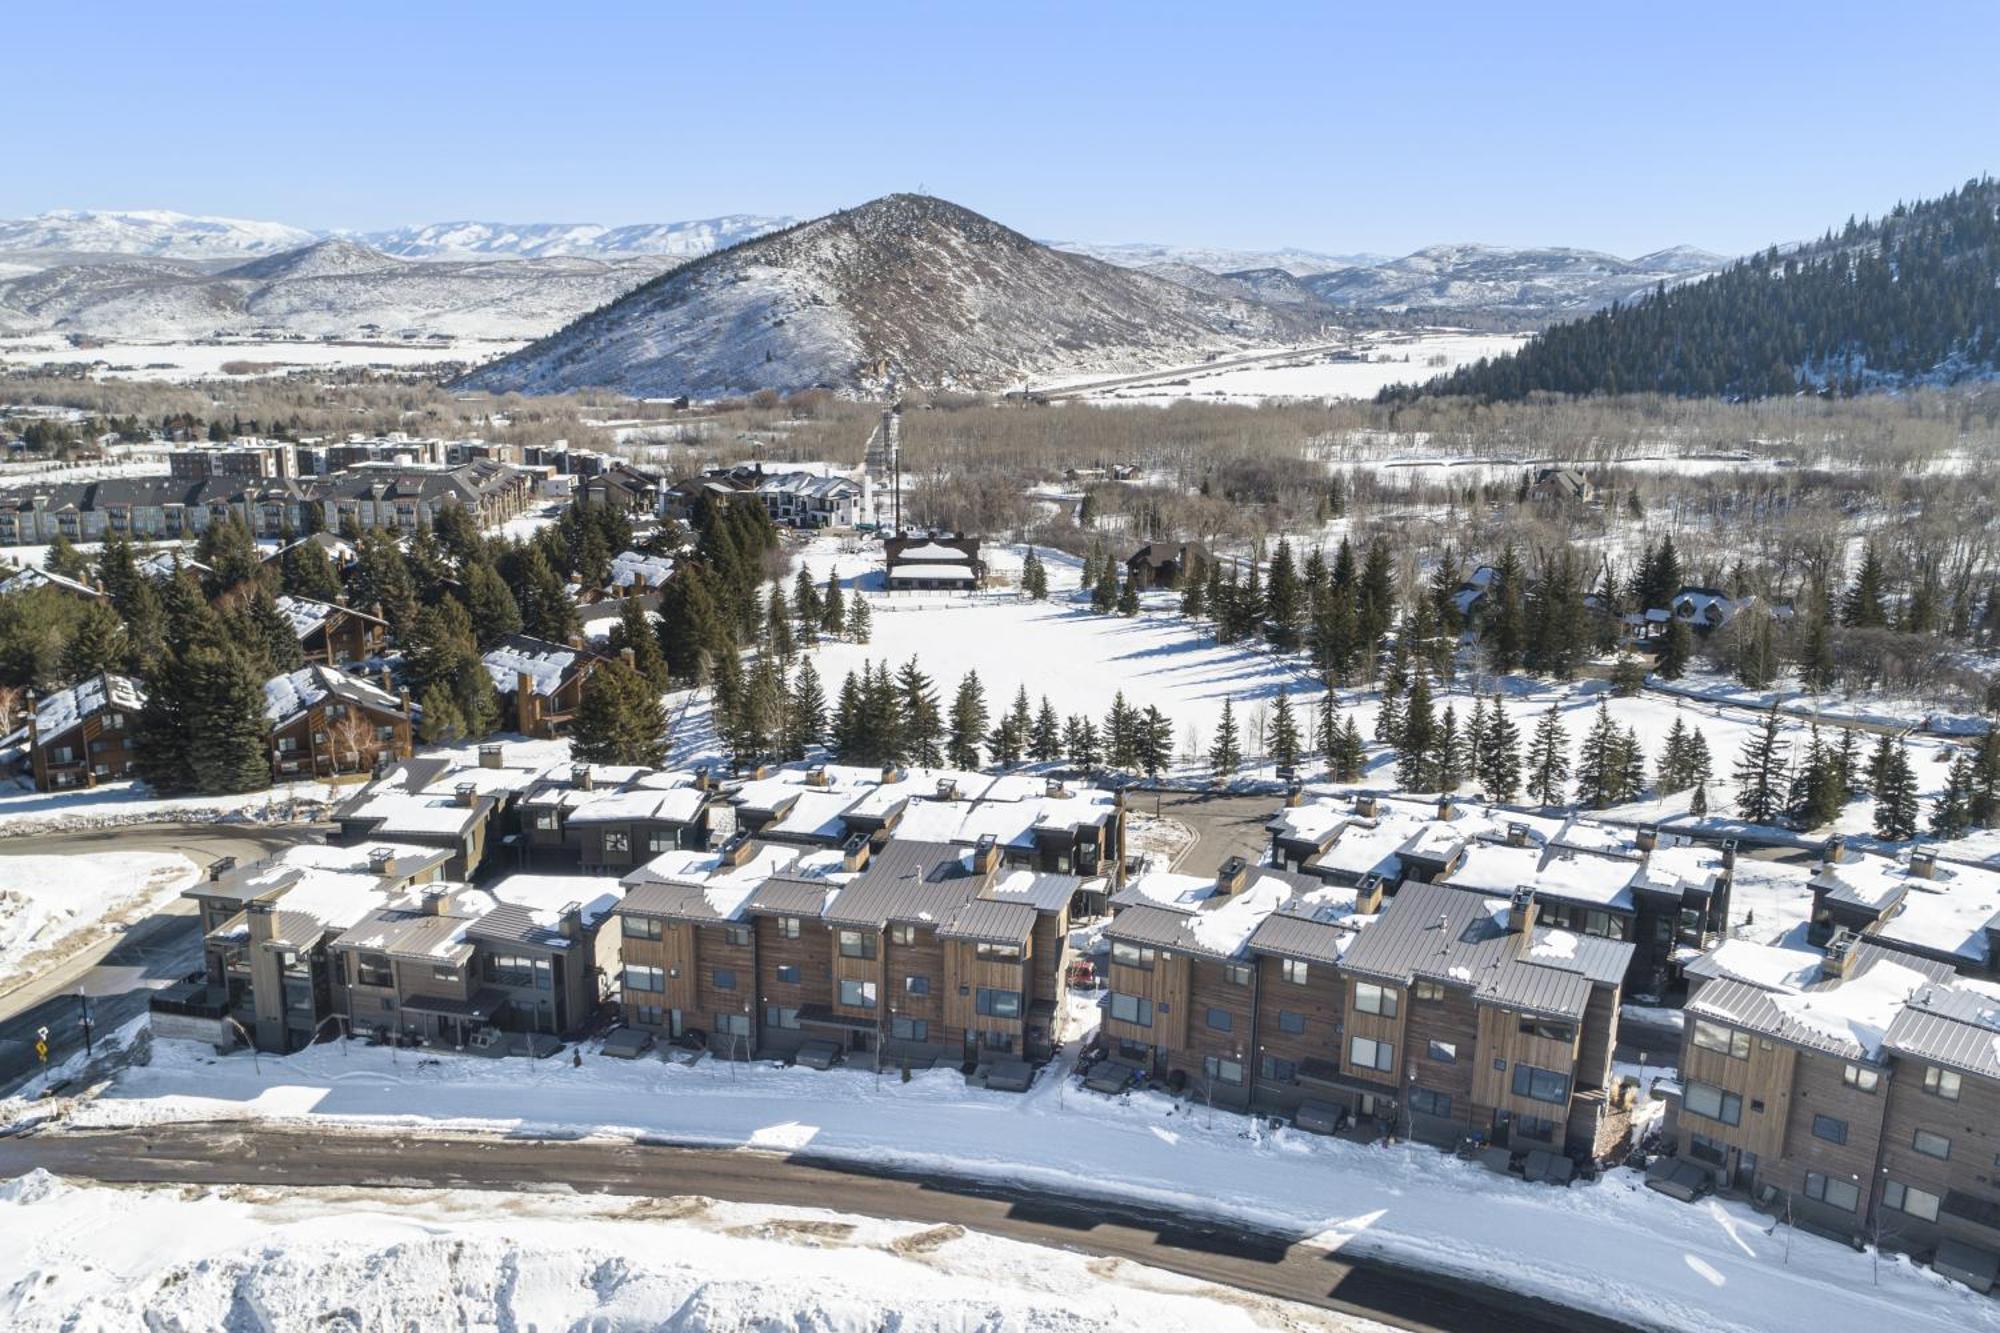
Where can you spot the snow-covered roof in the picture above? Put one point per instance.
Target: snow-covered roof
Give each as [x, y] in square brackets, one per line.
[288, 695]
[932, 553]
[544, 896]
[547, 665]
[677, 805]
[628, 568]
[305, 614]
[65, 708]
[903, 570]
[36, 577]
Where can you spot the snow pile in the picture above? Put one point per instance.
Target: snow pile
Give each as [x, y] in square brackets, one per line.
[46, 900]
[100, 1257]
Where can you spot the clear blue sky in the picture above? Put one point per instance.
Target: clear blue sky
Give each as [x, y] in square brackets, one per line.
[1613, 125]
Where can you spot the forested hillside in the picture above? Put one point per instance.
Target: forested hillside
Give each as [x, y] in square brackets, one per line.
[1913, 297]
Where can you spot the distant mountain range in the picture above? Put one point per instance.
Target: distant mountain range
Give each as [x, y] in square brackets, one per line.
[908, 288]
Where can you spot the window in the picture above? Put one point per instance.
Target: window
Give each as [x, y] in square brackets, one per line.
[777, 1016]
[1705, 1149]
[1549, 1031]
[910, 1029]
[1835, 1193]
[1372, 999]
[1132, 1009]
[1280, 1071]
[639, 927]
[902, 934]
[1829, 1128]
[617, 842]
[1867, 1080]
[1236, 974]
[1291, 1022]
[1444, 1052]
[1909, 1199]
[648, 1015]
[443, 973]
[739, 936]
[1931, 1145]
[857, 994]
[647, 979]
[1222, 1071]
[1219, 1020]
[788, 973]
[372, 969]
[1534, 1127]
[662, 841]
[1296, 971]
[1705, 1099]
[1429, 990]
[1714, 1037]
[916, 985]
[856, 944]
[733, 1025]
[1367, 1053]
[998, 953]
[725, 978]
[787, 927]
[998, 1003]
[1941, 1083]
[1425, 1102]
[1542, 1085]
[1132, 955]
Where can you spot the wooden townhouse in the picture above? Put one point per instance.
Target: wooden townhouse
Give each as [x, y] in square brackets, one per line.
[435, 802]
[79, 736]
[609, 818]
[335, 635]
[1942, 912]
[540, 683]
[325, 723]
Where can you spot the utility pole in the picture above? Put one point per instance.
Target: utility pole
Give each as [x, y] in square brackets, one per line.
[84, 1000]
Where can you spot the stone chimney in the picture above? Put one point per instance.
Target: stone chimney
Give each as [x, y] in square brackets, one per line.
[524, 703]
[1368, 895]
[434, 902]
[816, 776]
[986, 855]
[388, 680]
[1447, 809]
[947, 789]
[1295, 792]
[1366, 806]
[628, 657]
[1923, 865]
[1235, 872]
[381, 861]
[1729, 855]
[1832, 853]
[891, 774]
[1053, 788]
[261, 915]
[1521, 911]
[1647, 838]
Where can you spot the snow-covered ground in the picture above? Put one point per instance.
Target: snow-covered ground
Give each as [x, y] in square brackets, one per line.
[113, 803]
[100, 1257]
[1614, 1246]
[47, 900]
[1375, 362]
[183, 361]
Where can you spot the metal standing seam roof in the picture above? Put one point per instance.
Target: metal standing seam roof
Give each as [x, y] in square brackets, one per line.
[409, 934]
[781, 895]
[1156, 926]
[675, 900]
[1284, 935]
[511, 923]
[908, 882]
[1956, 1028]
[1045, 892]
[990, 922]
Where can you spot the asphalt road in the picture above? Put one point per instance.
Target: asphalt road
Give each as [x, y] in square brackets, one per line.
[1265, 1263]
[1224, 825]
[121, 971]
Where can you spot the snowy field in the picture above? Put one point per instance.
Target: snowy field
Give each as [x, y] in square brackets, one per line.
[24, 812]
[180, 362]
[47, 900]
[1614, 1247]
[1390, 358]
[89, 1256]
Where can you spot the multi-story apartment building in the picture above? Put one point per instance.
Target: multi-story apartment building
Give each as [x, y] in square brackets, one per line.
[1945, 912]
[80, 736]
[609, 818]
[325, 723]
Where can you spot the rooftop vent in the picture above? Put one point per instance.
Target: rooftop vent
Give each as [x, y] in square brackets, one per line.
[467, 793]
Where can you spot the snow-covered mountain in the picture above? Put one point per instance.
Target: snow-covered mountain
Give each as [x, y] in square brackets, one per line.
[906, 287]
[152, 232]
[1502, 280]
[1298, 263]
[542, 240]
[330, 287]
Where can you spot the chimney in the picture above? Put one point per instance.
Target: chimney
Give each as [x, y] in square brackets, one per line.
[1295, 792]
[581, 778]
[1365, 806]
[816, 776]
[571, 922]
[1230, 879]
[576, 642]
[1647, 838]
[262, 918]
[388, 681]
[854, 853]
[736, 851]
[467, 793]
[947, 789]
[1729, 855]
[629, 657]
[1923, 865]
[524, 703]
[986, 855]
[1517, 835]
[403, 700]
[701, 779]
[381, 861]
[1521, 911]
[1838, 964]
[891, 774]
[220, 866]
[1053, 788]
[434, 902]
[490, 756]
[1368, 895]
[1446, 810]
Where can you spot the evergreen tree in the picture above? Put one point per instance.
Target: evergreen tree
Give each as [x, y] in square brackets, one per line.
[805, 716]
[1627, 676]
[1034, 578]
[1284, 600]
[305, 571]
[1225, 752]
[634, 633]
[1284, 730]
[1674, 772]
[1045, 742]
[227, 730]
[1447, 762]
[1104, 593]
[1983, 801]
[1548, 759]
[495, 614]
[860, 620]
[1864, 607]
[1416, 742]
[381, 578]
[833, 608]
[63, 559]
[1505, 633]
[1896, 805]
[1676, 651]
[96, 643]
[1081, 741]
[807, 605]
[1698, 803]
[270, 641]
[1194, 588]
[1350, 757]
[1760, 772]
[546, 609]
[1878, 761]
[1951, 815]
[1121, 742]
[968, 723]
[921, 725]
[1128, 597]
[1499, 755]
[1155, 732]
[442, 723]
[619, 719]
[1599, 763]
[778, 624]
[1326, 728]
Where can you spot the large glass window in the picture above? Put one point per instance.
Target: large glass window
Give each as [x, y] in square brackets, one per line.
[1540, 1085]
[650, 980]
[857, 994]
[1705, 1099]
[1833, 1191]
[1728, 1041]
[1830, 1128]
[856, 944]
[1909, 1199]
[1367, 1053]
[1132, 955]
[1133, 1009]
[1941, 1083]
[1931, 1145]
[1372, 999]
[639, 927]
[998, 1003]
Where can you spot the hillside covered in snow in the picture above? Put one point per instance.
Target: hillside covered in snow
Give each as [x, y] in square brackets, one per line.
[909, 288]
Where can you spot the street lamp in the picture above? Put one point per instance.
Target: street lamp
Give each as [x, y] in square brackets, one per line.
[84, 1000]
